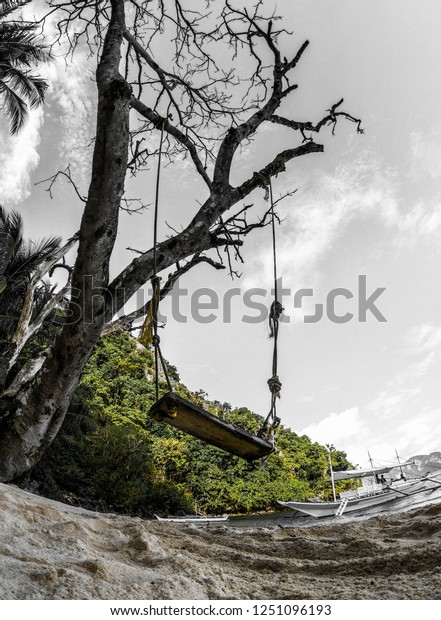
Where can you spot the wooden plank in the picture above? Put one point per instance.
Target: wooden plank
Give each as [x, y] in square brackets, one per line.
[184, 415]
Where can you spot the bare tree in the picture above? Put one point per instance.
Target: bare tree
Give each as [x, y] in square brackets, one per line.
[206, 112]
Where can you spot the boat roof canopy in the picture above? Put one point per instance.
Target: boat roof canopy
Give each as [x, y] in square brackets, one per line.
[364, 473]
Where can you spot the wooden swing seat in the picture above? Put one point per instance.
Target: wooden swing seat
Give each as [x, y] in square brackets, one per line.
[188, 417]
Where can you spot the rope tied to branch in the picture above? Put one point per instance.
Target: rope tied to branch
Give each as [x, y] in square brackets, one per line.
[272, 422]
[149, 331]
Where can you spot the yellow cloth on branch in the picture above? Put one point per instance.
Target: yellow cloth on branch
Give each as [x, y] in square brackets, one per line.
[147, 331]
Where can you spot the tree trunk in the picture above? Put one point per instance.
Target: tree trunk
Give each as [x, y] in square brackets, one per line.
[34, 416]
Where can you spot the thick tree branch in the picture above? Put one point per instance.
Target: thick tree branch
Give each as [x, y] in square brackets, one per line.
[35, 326]
[277, 165]
[236, 135]
[21, 336]
[329, 119]
[161, 122]
[126, 322]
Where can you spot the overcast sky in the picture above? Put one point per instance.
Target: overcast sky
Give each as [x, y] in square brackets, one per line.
[370, 205]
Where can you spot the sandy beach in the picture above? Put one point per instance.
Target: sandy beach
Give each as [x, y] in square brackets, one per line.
[50, 550]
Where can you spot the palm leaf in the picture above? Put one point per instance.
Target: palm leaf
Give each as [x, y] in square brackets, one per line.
[12, 223]
[6, 250]
[30, 257]
[16, 109]
[8, 6]
[19, 51]
[40, 87]
[24, 85]
[19, 44]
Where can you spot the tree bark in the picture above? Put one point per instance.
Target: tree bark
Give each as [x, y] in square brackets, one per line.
[34, 416]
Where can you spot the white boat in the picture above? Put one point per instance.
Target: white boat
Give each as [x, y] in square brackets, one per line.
[200, 519]
[375, 490]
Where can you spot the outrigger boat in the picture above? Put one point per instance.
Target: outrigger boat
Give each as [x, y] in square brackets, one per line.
[200, 519]
[375, 490]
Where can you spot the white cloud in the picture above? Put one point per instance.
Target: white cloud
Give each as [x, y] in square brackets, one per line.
[421, 220]
[318, 215]
[71, 97]
[339, 429]
[389, 403]
[421, 368]
[423, 337]
[18, 158]
[359, 431]
[401, 417]
[69, 101]
[425, 152]
[421, 434]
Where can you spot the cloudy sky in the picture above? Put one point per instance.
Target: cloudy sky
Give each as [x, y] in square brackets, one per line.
[370, 205]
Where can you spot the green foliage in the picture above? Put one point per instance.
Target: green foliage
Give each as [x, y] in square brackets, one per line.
[20, 50]
[120, 466]
[114, 385]
[112, 453]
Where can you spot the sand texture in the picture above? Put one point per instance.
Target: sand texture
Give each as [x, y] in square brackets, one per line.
[50, 550]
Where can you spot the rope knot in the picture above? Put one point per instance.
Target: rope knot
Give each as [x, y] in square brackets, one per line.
[275, 386]
[276, 310]
[156, 340]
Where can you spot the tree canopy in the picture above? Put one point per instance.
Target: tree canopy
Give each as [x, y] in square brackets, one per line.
[171, 68]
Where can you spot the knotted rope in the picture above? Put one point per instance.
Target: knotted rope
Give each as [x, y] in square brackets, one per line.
[149, 330]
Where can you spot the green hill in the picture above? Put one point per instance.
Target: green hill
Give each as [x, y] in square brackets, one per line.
[111, 455]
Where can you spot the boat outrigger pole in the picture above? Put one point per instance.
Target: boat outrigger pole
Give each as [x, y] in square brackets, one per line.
[332, 475]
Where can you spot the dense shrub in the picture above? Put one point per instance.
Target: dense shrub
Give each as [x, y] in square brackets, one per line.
[110, 454]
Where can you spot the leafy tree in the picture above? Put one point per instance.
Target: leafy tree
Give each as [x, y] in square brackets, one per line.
[207, 111]
[111, 453]
[20, 50]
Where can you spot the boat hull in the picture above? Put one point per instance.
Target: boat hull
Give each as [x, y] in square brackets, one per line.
[330, 509]
[198, 520]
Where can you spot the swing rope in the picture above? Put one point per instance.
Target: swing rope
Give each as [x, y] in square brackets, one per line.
[149, 331]
[272, 422]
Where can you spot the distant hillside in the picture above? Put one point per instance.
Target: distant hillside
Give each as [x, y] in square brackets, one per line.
[422, 464]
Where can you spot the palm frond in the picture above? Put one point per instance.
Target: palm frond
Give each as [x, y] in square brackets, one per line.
[24, 85]
[12, 224]
[8, 6]
[15, 107]
[19, 44]
[44, 248]
[6, 250]
[40, 87]
[20, 50]
[32, 254]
